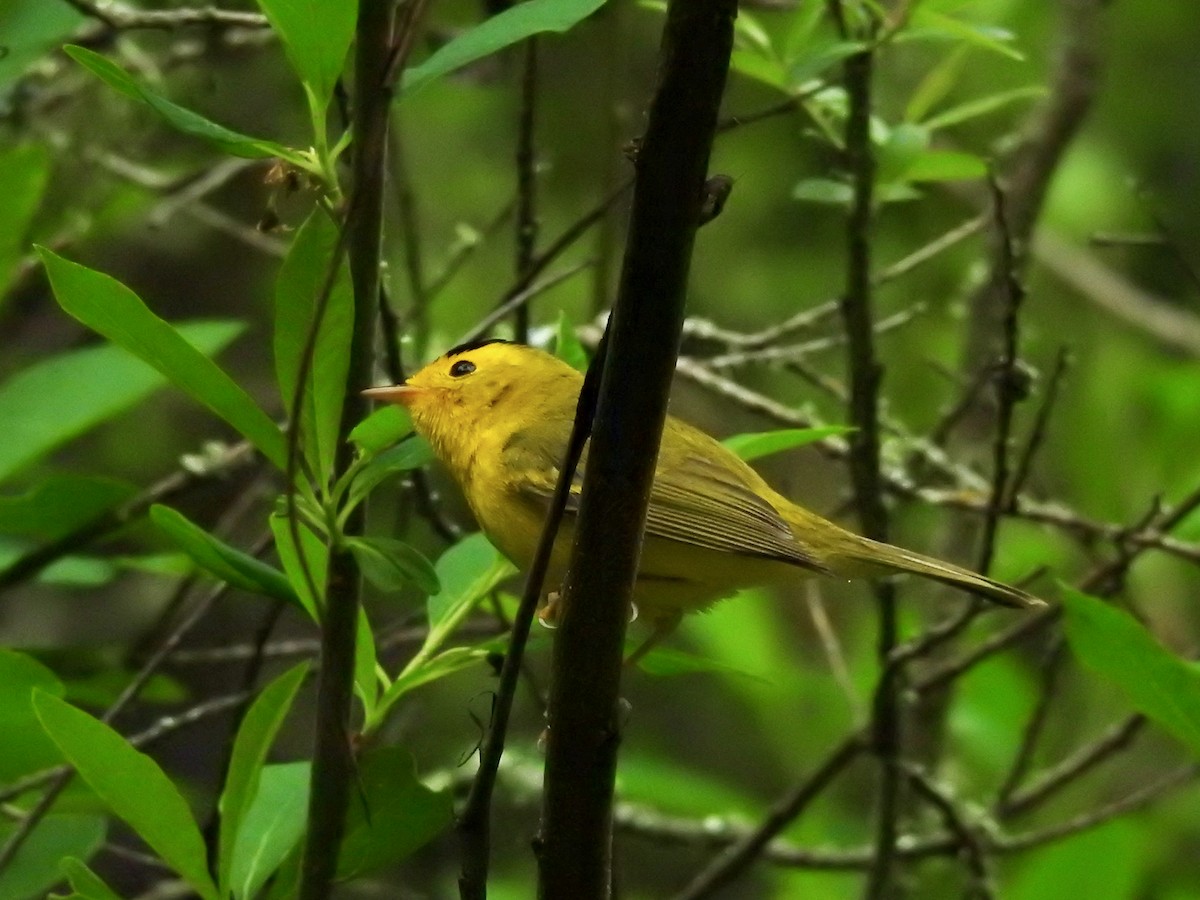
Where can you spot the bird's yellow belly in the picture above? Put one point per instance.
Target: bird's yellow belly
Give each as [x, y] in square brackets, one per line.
[673, 577]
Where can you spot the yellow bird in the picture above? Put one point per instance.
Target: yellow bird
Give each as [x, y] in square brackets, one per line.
[499, 414]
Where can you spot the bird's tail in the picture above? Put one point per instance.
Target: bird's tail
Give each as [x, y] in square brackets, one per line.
[866, 558]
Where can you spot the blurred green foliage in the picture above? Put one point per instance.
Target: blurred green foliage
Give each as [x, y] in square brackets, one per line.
[769, 684]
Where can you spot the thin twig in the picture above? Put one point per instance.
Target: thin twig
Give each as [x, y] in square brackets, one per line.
[198, 469]
[575, 836]
[59, 783]
[749, 847]
[474, 825]
[865, 374]
[1037, 433]
[1052, 780]
[526, 161]
[1050, 670]
[377, 48]
[120, 17]
[972, 845]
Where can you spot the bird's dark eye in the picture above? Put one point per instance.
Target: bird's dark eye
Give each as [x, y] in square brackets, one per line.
[461, 368]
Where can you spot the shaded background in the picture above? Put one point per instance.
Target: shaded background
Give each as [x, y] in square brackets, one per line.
[1124, 430]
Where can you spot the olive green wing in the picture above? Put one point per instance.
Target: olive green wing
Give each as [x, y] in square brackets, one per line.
[694, 500]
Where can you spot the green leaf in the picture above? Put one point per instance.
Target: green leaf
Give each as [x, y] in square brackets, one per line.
[455, 659]
[113, 310]
[666, 661]
[928, 22]
[946, 165]
[983, 106]
[468, 571]
[761, 68]
[514, 24]
[823, 190]
[25, 747]
[382, 428]
[297, 290]
[67, 571]
[272, 826]
[764, 443]
[904, 144]
[35, 868]
[311, 554]
[85, 884]
[24, 171]
[366, 680]
[133, 787]
[567, 345]
[393, 565]
[316, 35]
[250, 748]
[936, 85]
[1158, 683]
[178, 117]
[31, 29]
[59, 504]
[392, 815]
[241, 570]
[52, 401]
[818, 58]
[409, 454]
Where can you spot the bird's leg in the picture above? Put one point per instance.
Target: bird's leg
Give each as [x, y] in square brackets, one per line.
[660, 630]
[549, 611]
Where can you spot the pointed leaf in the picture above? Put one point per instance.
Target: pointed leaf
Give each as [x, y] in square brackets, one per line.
[271, 828]
[216, 557]
[32, 29]
[393, 565]
[85, 884]
[311, 557]
[946, 165]
[50, 402]
[24, 170]
[25, 747]
[455, 659]
[113, 310]
[249, 755]
[823, 190]
[973, 109]
[59, 504]
[133, 787]
[567, 345]
[393, 815]
[514, 24]
[178, 117]
[382, 428]
[1158, 683]
[467, 572]
[316, 35]
[298, 287]
[366, 680]
[409, 454]
[35, 868]
[764, 443]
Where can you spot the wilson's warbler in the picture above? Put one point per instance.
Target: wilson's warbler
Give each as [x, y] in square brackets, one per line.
[498, 415]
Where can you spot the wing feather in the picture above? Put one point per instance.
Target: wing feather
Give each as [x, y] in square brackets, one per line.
[694, 501]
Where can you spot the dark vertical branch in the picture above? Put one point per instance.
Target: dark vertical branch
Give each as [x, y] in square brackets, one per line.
[527, 225]
[414, 264]
[1010, 385]
[865, 375]
[1025, 178]
[614, 22]
[576, 833]
[474, 825]
[333, 761]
